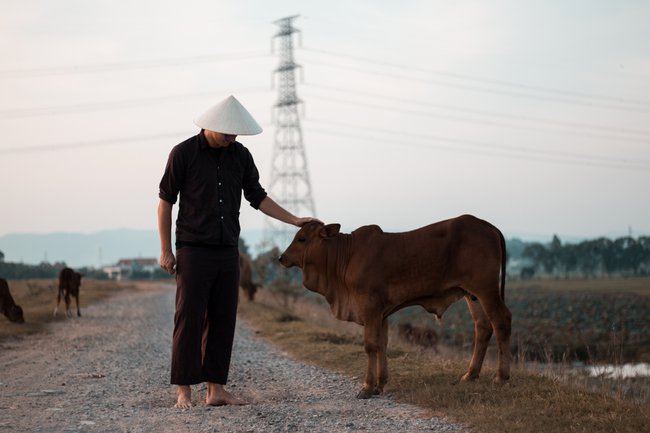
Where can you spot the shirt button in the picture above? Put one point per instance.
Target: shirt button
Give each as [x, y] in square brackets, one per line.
[219, 183]
[220, 201]
[221, 216]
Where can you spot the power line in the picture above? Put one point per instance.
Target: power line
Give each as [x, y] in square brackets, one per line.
[475, 88]
[92, 143]
[487, 149]
[467, 146]
[97, 143]
[528, 87]
[126, 65]
[154, 63]
[112, 105]
[348, 102]
[474, 111]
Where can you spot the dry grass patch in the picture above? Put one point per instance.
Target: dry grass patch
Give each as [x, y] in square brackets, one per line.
[38, 299]
[530, 403]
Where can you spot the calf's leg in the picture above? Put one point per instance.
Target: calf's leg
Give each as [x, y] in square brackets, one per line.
[482, 335]
[76, 300]
[501, 320]
[382, 361]
[67, 304]
[58, 300]
[371, 338]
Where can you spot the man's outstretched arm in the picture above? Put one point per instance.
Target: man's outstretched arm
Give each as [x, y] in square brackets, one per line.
[274, 210]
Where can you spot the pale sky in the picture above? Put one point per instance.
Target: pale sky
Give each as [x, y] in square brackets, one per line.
[534, 115]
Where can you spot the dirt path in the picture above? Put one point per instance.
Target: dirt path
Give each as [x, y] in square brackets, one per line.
[109, 372]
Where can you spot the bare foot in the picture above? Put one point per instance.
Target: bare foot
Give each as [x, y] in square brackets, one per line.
[184, 397]
[218, 396]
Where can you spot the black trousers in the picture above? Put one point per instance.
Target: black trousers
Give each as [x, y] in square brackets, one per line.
[207, 284]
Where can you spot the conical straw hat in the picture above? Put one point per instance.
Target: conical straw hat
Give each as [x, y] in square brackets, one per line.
[228, 117]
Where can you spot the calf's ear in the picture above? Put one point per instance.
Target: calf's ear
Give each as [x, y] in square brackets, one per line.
[330, 230]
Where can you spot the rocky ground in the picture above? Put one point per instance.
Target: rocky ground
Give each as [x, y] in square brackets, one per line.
[108, 371]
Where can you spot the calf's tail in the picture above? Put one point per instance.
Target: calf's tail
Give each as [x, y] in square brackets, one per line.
[504, 258]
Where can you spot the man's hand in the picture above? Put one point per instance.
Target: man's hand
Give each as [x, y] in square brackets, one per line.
[302, 221]
[168, 262]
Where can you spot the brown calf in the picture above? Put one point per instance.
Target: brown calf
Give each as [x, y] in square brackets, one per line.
[367, 275]
[69, 282]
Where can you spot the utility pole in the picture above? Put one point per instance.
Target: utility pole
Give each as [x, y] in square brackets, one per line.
[289, 184]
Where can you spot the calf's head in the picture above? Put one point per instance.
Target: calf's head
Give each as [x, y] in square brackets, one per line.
[15, 314]
[307, 236]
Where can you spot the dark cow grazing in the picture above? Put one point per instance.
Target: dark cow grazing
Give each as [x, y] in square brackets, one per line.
[8, 307]
[367, 275]
[246, 276]
[420, 335]
[69, 282]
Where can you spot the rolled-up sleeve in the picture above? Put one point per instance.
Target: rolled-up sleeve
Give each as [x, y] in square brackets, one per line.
[173, 178]
[253, 191]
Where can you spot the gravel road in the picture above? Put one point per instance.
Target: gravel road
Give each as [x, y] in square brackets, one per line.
[108, 371]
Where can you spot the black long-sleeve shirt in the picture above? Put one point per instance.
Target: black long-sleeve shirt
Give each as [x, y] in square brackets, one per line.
[210, 182]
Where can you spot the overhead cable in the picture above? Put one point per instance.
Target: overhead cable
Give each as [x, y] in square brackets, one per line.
[489, 81]
[482, 89]
[474, 121]
[113, 105]
[474, 111]
[487, 149]
[126, 65]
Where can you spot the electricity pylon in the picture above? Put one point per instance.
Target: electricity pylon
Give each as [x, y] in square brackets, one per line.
[289, 184]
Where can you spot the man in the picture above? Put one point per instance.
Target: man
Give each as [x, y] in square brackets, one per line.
[210, 171]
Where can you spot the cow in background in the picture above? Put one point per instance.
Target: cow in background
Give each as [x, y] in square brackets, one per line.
[69, 282]
[8, 307]
[246, 276]
[420, 335]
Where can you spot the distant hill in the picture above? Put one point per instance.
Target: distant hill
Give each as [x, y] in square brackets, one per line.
[93, 249]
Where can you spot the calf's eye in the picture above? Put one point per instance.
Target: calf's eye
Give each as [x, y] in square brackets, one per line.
[301, 239]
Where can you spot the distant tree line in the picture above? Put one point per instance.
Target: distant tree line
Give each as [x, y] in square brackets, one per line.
[625, 256]
[17, 271]
[21, 271]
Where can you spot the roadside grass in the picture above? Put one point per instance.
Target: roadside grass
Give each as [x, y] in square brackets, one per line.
[37, 297]
[531, 402]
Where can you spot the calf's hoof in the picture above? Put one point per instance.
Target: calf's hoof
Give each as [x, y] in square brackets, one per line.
[469, 377]
[500, 380]
[364, 394]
